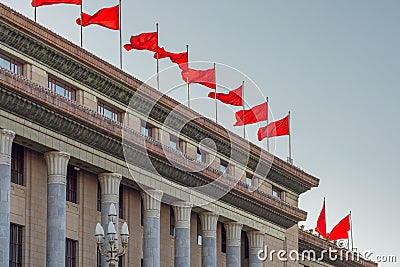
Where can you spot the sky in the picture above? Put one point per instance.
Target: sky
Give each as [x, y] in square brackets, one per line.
[333, 64]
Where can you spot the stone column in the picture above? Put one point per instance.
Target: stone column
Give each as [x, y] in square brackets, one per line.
[151, 227]
[209, 233]
[233, 234]
[182, 212]
[6, 140]
[109, 183]
[256, 243]
[57, 163]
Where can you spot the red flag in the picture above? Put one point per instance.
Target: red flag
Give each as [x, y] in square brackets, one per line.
[52, 2]
[144, 41]
[234, 97]
[340, 231]
[204, 77]
[277, 128]
[181, 58]
[106, 17]
[321, 223]
[256, 114]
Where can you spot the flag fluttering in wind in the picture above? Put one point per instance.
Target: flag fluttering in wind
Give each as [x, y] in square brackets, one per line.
[321, 222]
[341, 230]
[144, 41]
[276, 128]
[204, 77]
[54, 2]
[106, 17]
[178, 58]
[253, 115]
[234, 97]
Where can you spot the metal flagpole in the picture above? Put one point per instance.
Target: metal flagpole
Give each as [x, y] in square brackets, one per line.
[289, 159]
[187, 76]
[120, 34]
[351, 231]
[81, 24]
[158, 66]
[267, 125]
[243, 107]
[215, 96]
[35, 11]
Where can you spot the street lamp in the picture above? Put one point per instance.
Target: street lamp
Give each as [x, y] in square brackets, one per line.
[113, 253]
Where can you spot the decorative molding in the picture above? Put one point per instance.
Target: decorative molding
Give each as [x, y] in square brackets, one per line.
[57, 163]
[182, 211]
[151, 203]
[256, 241]
[109, 183]
[6, 141]
[209, 224]
[233, 233]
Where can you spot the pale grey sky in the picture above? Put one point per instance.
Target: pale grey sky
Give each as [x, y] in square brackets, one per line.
[334, 64]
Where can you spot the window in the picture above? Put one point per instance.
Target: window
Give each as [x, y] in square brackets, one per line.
[15, 245]
[246, 246]
[146, 129]
[276, 192]
[199, 232]
[223, 238]
[17, 164]
[249, 178]
[72, 184]
[98, 196]
[98, 258]
[223, 166]
[70, 253]
[171, 221]
[61, 88]
[199, 155]
[10, 64]
[173, 141]
[141, 211]
[109, 111]
[121, 202]
[121, 261]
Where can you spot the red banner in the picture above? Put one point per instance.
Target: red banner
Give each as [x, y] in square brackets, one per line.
[106, 17]
[277, 128]
[256, 114]
[144, 41]
[54, 2]
[234, 97]
[204, 77]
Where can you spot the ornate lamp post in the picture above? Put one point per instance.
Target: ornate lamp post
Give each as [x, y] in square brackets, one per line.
[113, 253]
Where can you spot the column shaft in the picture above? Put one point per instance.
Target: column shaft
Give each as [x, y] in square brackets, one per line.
[209, 232]
[151, 227]
[182, 212]
[57, 163]
[6, 139]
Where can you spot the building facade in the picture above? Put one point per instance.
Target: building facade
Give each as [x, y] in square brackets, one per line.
[77, 135]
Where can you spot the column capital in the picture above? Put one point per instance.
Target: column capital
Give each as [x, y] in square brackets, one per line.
[233, 233]
[182, 212]
[209, 224]
[151, 203]
[109, 183]
[57, 163]
[256, 241]
[6, 140]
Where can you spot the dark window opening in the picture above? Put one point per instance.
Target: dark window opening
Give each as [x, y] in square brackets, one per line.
[109, 111]
[223, 238]
[146, 129]
[15, 245]
[70, 253]
[141, 211]
[61, 88]
[249, 179]
[10, 64]
[199, 232]
[246, 246]
[72, 184]
[174, 142]
[276, 192]
[171, 221]
[121, 214]
[223, 166]
[98, 196]
[17, 164]
[98, 258]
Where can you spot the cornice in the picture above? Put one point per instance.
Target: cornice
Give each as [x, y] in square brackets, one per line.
[47, 109]
[66, 58]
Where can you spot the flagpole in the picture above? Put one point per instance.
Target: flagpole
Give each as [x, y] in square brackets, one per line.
[158, 66]
[215, 96]
[187, 76]
[243, 107]
[289, 159]
[81, 24]
[351, 231]
[120, 34]
[267, 125]
[35, 11]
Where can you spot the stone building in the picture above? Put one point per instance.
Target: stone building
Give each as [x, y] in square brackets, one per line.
[76, 135]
